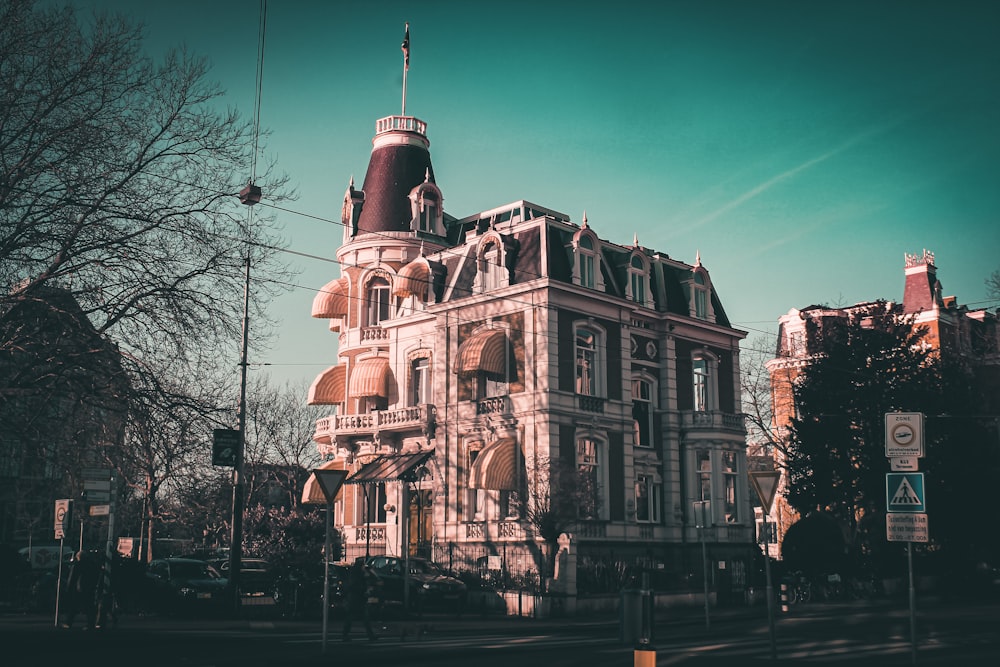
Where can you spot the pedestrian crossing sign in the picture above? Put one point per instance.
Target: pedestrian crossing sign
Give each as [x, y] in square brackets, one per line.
[904, 492]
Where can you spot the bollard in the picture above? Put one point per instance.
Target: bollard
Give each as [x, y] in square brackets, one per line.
[784, 598]
[644, 655]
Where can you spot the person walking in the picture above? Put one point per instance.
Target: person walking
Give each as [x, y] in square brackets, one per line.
[84, 574]
[358, 581]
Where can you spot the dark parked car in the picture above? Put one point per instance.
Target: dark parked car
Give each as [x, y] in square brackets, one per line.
[185, 585]
[431, 587]
[258, 580]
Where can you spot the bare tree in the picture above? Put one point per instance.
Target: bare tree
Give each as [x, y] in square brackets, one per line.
[279, 446]
[118, 182]
[756, 388]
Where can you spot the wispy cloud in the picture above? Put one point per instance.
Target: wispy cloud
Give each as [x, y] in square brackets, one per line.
[760, 189]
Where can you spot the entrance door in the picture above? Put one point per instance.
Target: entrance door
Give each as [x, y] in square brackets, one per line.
[421, 522]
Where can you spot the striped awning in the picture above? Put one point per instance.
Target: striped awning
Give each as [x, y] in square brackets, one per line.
[331, 301]
[370, 377]
[486, 352]
[415, 279]
[400, 467]
[499, 466]
[312, 492]
[328, 387]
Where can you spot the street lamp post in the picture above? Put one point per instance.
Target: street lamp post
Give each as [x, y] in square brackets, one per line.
[702, 519]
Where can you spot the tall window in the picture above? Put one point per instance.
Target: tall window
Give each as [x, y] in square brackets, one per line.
[372, 505]
[491, 269]
[586, 257]
[648, 496]
[729, 478]
[428, 211]
[642, 413]
[703, 466]
[700, 297]
[588, 461]
[586, 362]
[378, 301]
[637, 279]
[420, 381]
[475, 505]
[701, 385]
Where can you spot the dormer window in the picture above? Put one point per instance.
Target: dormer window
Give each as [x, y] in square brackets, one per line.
[701, 295]
[587, 260]
[638, 280]
[491, 269]
[426, 208]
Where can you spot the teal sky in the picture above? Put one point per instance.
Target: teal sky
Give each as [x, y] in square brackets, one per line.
[801, 147]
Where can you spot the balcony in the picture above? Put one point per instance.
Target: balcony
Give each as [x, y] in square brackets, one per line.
[411, 418]
[693, 421]
[494, 530]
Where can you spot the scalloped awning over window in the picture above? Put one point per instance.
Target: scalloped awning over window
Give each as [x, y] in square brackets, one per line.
[415, 279]
[328, 387]
[486, 352]
[370, 377]
[331, 302]
[499, 466]
[312, 492]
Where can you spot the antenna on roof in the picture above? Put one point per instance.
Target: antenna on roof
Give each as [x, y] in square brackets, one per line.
[406, 63]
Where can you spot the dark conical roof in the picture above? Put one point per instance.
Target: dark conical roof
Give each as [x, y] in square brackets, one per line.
[399, 162]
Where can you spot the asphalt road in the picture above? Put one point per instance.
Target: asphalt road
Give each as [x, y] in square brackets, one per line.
[862, 633]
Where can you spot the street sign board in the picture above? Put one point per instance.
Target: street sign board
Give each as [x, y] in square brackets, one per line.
[765, 483]
[99, 510]
[225, 443]
[62, 516]
[910, 527]
[92, 496]
[97, 485]
[904, 464]
[904, 434]
[95, 473]
[904, 492]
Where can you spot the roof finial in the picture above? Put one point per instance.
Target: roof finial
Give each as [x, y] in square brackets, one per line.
[421, 247]
[635, 240]
[351, 185]
[427, 175]
[585, 219]
[406, 62]
[697, 258]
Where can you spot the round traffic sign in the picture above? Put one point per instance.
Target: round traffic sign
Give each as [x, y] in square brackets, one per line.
[902, 434]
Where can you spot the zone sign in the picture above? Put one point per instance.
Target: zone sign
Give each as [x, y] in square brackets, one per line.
[904, 434]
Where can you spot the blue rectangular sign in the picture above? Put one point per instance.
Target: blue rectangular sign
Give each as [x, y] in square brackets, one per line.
[904, 492]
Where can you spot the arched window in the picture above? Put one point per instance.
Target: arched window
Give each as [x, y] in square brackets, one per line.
[638, 280]
[420, 381]
[587, 261]
[378, 301]
[589, 352]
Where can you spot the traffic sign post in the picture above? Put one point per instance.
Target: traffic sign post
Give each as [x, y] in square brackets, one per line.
[225, 443]
[765, 483]
[905, 502]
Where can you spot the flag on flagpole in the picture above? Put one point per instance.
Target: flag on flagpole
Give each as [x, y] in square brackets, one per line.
[406, 48]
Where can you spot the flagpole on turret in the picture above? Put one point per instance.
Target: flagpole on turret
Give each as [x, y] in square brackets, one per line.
[406, 62]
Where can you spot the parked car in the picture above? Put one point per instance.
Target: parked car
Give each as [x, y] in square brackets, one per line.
[257, 579]
[430, 586]
[300, 594]
[186, 585]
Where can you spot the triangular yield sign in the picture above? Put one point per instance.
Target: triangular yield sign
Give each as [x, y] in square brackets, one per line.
[765, 483]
